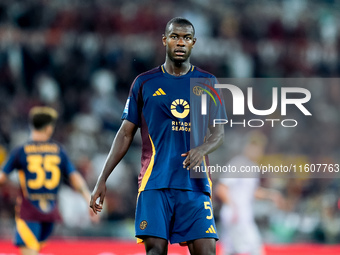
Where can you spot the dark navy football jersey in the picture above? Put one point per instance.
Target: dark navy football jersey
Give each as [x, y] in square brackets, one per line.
[161, 105]
[41, 166]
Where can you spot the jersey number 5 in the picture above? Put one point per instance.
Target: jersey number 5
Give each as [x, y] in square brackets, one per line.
[208, 207]
[40, 165]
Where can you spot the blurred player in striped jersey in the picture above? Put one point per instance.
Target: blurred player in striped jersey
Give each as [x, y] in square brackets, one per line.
[239, 233]
[41, 164]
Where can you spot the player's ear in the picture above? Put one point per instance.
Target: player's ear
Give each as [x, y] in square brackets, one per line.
[193, 41]
[164, 39]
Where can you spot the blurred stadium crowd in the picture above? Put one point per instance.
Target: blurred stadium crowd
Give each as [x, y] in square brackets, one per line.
[82, 56]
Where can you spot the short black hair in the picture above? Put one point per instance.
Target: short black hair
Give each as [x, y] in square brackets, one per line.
[41, 116]
[179, 21]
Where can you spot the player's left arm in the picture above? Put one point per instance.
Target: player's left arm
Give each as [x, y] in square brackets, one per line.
[79, 184]
[194, 157]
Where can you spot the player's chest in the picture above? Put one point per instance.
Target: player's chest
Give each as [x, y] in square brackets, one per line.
[166, 94]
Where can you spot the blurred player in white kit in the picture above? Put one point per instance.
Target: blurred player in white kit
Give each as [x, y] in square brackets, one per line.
[240, 234]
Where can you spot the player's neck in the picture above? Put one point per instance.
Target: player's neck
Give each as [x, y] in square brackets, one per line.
[177, 68]
[39, 136]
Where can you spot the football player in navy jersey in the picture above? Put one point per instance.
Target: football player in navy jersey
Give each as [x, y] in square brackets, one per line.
[171, 206]
[41, 164]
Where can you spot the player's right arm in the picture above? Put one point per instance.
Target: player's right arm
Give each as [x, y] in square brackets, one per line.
[3, 178]
[270, 194]
[120, 146]
[9, 166]
[222, 193]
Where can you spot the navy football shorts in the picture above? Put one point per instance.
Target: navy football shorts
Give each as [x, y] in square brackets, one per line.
[32, 234]
[175, 215]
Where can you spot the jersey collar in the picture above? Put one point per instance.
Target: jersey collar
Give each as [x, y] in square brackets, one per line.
[192, 68]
